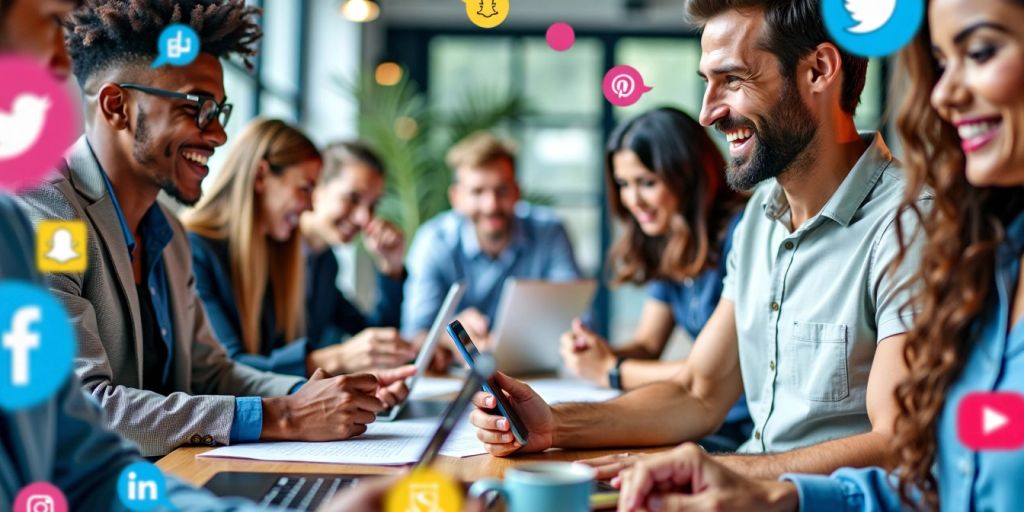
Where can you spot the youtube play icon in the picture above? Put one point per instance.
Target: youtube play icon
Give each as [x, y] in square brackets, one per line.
[991, 421]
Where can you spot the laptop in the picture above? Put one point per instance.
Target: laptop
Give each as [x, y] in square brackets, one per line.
[307, 491]
[532, 316]
[424, 408]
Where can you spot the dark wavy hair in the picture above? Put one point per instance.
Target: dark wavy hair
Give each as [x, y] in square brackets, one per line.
[963, 230]
[675, 147]
[104, 33]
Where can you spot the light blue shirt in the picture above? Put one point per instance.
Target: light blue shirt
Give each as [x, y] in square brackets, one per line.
[446, 250]
[813, 303]
[968, 480]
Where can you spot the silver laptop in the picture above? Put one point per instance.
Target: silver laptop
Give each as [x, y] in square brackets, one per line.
[426, 354]
[532, 316]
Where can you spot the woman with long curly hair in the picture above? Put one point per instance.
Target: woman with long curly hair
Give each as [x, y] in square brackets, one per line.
[962, 123]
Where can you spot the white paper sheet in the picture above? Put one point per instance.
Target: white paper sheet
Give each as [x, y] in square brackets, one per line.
[397, 443]
[383, 444]
[555, 391]
[463, 441]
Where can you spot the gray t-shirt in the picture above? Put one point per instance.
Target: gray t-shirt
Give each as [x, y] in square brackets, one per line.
[812, 304]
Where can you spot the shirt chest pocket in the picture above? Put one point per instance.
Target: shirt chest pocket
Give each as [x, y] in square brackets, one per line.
[818, 367]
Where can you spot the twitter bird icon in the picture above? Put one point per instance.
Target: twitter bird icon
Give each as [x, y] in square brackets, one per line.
[873, 28]
[20, 128]
[39, 120]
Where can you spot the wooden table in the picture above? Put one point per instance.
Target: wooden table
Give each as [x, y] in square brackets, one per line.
[184, 464]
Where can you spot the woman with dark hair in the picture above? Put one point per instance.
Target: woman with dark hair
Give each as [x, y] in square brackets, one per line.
[667, 188]
[962, 123]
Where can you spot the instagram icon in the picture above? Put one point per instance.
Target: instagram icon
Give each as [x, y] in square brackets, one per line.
[40, 497]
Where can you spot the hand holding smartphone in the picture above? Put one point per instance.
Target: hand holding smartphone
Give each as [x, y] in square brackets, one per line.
[469, 352]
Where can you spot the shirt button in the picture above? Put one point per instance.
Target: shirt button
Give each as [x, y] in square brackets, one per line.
[757, 435]
[771, 365]
[775, 306]
[163, 332]
[788, 246]
[964, 466]
[152, 289]
[196, 439]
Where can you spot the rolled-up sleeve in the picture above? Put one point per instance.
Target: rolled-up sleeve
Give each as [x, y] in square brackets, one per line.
[892, 274]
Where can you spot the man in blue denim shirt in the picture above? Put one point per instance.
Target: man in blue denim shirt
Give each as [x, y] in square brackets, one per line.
[489, 236]
[147, 353]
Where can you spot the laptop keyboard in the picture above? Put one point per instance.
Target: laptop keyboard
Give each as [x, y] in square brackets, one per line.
[303, 493]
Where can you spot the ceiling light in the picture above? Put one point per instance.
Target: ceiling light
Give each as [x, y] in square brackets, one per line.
[360, 11]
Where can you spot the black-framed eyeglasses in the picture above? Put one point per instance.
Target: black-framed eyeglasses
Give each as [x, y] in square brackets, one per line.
[207, 108]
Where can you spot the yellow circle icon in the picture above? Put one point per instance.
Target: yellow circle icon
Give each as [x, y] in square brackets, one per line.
[424, 490]
[487, 13]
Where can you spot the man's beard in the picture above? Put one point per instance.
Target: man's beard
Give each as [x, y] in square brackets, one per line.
[783, 137]
[143, 153]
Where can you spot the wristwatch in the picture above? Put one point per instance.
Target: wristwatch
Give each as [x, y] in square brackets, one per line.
[614, 375]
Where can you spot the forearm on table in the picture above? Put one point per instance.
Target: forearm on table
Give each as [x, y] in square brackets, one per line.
[638, 418]
[862, 450]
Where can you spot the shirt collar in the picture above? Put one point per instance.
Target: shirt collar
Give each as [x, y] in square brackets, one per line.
[850, 195]
[154, 225]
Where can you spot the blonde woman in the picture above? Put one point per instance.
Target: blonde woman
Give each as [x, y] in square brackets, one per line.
[247, 252]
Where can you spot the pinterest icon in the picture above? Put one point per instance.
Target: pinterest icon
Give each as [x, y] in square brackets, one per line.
[623, 86]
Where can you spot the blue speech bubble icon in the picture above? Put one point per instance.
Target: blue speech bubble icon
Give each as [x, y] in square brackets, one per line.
[178, 46]
[142, 486]
[37, 345]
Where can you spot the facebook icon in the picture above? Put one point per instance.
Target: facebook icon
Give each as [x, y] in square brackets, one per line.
[37, 345]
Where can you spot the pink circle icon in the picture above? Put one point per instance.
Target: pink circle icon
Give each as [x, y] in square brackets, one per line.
[623, 86]
[561, 36]
[40, 497]
[38, 122]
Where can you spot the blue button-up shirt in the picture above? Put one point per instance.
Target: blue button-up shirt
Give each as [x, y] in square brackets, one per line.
[157, 234]
[968, 480]
[446, 250]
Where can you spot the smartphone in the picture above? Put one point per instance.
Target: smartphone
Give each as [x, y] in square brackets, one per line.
[469, 352]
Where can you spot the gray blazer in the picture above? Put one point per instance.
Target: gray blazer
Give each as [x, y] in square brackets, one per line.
[104, 306]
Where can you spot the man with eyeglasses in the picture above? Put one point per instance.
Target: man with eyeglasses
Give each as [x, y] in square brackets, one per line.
[146, 352]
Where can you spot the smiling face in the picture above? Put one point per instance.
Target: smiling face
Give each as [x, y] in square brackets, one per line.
[168, 148]
[760, 112]
[283, 196]
[487, 195]
[644, 194]
[981, 89]
[345, 205]
[33, 27]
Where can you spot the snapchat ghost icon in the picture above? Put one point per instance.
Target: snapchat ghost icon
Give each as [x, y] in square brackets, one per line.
[487, 13]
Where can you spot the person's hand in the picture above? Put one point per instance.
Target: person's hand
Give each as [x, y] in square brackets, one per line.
[386, 244]
[391, 388]
[323, 409]
[494, 430]
[371, 348]
[687, 478]
[442, 359]
[477, 325]
[609, 466]
[586, 354]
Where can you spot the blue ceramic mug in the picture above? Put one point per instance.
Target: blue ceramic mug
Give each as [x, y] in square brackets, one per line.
[543, 487]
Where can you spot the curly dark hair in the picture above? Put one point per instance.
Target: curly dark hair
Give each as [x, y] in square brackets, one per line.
[963, 230]
[104, 33]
